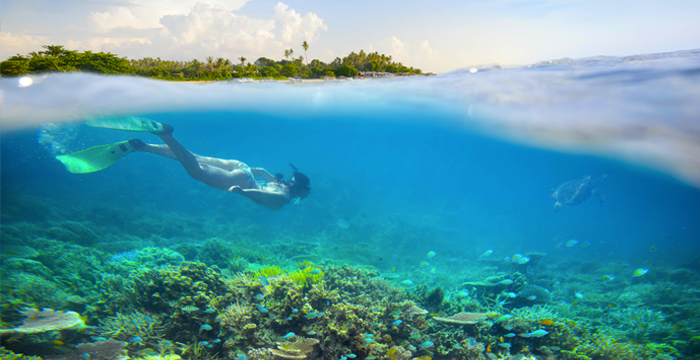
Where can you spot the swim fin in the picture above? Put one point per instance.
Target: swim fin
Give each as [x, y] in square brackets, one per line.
[131, 123]
[96, 158]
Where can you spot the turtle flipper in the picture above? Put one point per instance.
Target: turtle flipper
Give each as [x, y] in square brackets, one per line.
[601, 197]
[557, 206]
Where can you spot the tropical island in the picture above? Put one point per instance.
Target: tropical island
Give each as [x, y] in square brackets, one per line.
[56, 58]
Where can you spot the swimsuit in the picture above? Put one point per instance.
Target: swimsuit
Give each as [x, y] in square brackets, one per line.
[252, 184]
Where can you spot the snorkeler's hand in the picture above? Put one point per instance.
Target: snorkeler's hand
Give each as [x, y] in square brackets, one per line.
[236, 189]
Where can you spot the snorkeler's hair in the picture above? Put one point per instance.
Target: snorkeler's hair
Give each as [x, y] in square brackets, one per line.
[300, 185]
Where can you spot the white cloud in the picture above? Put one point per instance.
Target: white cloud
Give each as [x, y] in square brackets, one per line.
[116, 17]
[298, 28]
[146, 14]
[20, 44]
[398, 50]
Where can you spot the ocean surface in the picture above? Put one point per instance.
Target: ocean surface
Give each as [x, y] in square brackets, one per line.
[443, 181]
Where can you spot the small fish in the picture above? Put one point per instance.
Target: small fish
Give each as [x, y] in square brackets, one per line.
[209, 311]
[516, 257]
[530, 270]
[368, 339]
[426, 344]
[432, 271]
[311, 333]
[135, 340]
[209, 346]
[547, 322]
[216, 341]
[506, 259]
[369, 335]
[99, 338]
[462, 294]
[523, 260]
[606, 278]
[640, 272]
[677, 327]
[261, 308]
[203, 342]
[263, 280]
[504, 345]
[314, 272]
[653, 248]
[85, 355]
[585, 244]
[371, 357]
[397, 322]
[189, 308]
[509, 335]
[395, 313]
[288, 318]
[511, 295]
[579, 295]
[242, 357]
[311, 315]
[504, 318]
[289, 335]
[571, 243]
[295, 310]
[59, 342]
[431, 254]
[205, 327]
[407, 283]
[536, 333]
[505, 282]
[532, 297]
[351, 356]
[424, 263]
[258, 297]
[425, 357]
[612, 306]
[486, 253]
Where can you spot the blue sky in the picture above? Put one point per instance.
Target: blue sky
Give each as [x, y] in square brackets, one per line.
[438, 35]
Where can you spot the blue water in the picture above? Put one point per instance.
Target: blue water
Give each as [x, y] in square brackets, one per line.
[456, 164]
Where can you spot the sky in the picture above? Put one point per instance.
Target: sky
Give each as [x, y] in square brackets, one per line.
[436, 36]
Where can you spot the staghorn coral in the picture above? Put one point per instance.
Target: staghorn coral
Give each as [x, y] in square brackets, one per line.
[44, 320]
[136, 324]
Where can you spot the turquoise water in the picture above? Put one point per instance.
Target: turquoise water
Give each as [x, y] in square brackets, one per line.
[456, 164]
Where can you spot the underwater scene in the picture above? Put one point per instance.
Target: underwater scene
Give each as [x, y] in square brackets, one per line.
[549, 211]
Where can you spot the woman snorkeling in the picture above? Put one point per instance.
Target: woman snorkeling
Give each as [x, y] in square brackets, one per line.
[229, 175]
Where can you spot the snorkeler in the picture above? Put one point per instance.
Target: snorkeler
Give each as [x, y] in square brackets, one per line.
[229, 175]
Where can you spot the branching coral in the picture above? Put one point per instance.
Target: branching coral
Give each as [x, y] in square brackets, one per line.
[235, 316]
[136, 324]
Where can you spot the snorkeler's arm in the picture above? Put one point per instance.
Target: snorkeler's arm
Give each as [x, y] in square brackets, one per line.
[272, 200]
[263, 173]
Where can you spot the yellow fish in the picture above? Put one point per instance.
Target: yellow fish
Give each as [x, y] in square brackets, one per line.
[547, 322]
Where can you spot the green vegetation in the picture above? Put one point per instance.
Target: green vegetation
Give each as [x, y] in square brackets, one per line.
[56, 58]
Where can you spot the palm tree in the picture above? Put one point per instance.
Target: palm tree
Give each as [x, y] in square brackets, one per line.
[291, 52]
[196, 66]
[286, 54]
[305, 45]
[219, 63]
[242, 59]
[210, 61]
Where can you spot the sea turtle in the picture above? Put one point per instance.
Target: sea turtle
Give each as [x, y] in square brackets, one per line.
[575, 192]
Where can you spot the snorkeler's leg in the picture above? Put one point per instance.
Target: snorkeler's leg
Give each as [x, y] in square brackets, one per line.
[186, 158]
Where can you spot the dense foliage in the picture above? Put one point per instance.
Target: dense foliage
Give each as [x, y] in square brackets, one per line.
[56, 58]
